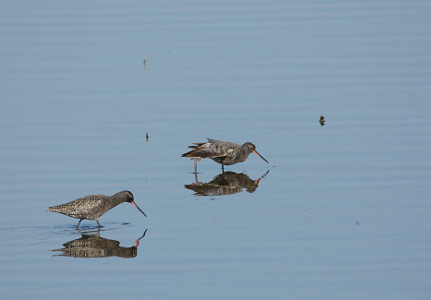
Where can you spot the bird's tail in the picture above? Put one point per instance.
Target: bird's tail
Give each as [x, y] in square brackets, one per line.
[55, 209]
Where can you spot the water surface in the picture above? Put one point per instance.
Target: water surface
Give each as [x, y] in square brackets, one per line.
[343, 212]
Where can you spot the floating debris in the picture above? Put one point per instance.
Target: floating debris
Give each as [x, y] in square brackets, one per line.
[144, 58]
[322, 121]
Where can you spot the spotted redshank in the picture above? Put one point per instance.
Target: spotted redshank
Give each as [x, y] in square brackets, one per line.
[91, 207]
[225, 153]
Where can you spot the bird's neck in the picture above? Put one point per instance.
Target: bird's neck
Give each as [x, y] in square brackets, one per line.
[119, 198]
[242, 155]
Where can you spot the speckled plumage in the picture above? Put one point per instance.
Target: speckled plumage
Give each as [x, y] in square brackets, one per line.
[225, 153]
[91, 207]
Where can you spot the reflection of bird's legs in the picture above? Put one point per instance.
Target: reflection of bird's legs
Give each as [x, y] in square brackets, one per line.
[196, 178]
[77, 225]
[98, 222]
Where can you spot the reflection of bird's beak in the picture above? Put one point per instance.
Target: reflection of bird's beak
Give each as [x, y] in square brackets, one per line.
[255, 152]
[134, 204]
[137, 241]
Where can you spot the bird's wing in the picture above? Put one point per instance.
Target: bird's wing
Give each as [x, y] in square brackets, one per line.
[92, 201]
[209, 149]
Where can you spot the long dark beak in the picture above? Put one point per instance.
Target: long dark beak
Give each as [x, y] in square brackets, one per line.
[255, 152]
[134, 204]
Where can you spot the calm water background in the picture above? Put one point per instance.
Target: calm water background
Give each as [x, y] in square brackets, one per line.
[344, 212]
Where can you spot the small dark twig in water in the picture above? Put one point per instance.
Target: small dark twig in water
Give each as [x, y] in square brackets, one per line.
[144, 57]
[322, 121]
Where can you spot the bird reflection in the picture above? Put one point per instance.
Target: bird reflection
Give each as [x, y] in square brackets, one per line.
[93, 246]
[226, 183]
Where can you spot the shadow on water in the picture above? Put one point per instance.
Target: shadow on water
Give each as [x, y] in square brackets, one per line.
[226, 183]
[92, 245]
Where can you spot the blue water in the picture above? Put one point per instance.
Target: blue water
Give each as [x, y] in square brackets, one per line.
[343, 212]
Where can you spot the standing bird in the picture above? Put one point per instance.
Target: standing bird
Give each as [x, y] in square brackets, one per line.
[91, 207]
[225, 153]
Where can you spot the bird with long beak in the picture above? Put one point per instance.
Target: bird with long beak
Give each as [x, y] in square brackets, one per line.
[225, 153]
[91, 207]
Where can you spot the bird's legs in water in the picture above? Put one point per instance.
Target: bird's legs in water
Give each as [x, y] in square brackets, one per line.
[77, 225]
[222, 168]
[80, 220]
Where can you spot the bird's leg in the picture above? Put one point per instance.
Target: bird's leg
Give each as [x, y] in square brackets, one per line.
[77, 225]
[222, 168]
[196, 166]
[98, 222]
